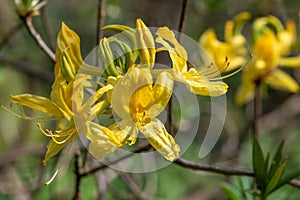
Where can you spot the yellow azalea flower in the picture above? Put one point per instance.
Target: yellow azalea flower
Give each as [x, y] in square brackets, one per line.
[202, 82]
[65, 103]
[234, 45]
[145, 43]
[137, 102]
[264, 68]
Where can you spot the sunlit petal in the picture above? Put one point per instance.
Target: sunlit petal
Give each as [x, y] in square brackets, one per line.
[158, 137]
[282, 81]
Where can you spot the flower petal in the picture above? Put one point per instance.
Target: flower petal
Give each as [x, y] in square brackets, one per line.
[39, 103]
[105, 140]
[157, 135]
[282, 81]
[162, 92]
[67, 135]
[126, 87]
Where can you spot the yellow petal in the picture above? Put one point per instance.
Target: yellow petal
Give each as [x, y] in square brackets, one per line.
[145, 43]
[199, 85]
[177, 53]
[126, 87]
[39, 103]
[68, 40]
[282, 81]
[61, 96]
[67, 135]
[245, 93]
[158, 137]
[103, 140]
[162, 92]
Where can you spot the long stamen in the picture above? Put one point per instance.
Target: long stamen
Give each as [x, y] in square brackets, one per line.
[59, 166]
[54, 137]
[233, 73]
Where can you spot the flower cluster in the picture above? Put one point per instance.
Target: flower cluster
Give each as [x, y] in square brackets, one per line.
[129, 90]
[130, 93]
[271, 48]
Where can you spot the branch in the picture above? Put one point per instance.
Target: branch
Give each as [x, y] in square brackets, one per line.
[78, 177]
[38, 39]
[100, 20]
[101, 166]
[10, 34]
[227, 171]
[28, 69]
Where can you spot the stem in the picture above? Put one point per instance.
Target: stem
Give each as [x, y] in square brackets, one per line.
[78, 177]
[10, 34]
[38, 39]
[257, 108]
[180, 30]
[100, 20]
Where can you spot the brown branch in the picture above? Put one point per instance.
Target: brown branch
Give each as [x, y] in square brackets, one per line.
[257, 108]
[180, 30]
[37, 37]
[78, 177]
[27, 68]
[10, 34]
[100, 20]
[227, 171]
[102, 166]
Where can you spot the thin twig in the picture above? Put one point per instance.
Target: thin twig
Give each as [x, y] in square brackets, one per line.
[180, 30]
[100, 20]
[102, 166]
[78, 177]
[37, 37]
[27, 68]
[10, 34]
[227, 171]
[257, 108]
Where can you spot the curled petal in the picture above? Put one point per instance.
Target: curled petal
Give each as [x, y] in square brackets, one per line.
[104, 140]
[160, 139]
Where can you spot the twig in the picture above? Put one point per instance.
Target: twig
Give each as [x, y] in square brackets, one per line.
[78, 177]
[128, 180]
[38, 39]
[180, 30]
[28, 69]
[227, 171]
[101, 166]
[100, 20]
[257, 108]
[10, 34]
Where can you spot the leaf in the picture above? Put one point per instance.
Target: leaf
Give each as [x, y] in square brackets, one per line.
[232, 192]
[288, 177]
[276, 178]
[258, 163]
[276, 160]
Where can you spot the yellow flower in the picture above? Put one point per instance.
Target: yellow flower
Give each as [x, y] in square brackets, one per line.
[267, 56]
[234, 45]
[137, 102]
[202, 82]
[65, 104]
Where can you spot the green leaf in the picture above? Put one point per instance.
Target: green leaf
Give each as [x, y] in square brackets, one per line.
[232, 192]
[276, 160]
[276, 178]
[258, 164]
[288, 177]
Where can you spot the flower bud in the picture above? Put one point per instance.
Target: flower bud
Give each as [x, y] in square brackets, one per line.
[145, 43]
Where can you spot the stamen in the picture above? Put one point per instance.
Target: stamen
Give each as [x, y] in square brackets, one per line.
[54, 137]
[233, 73]
[59, 166]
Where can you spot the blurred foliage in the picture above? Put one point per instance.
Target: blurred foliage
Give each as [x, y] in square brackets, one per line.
[22, 175]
